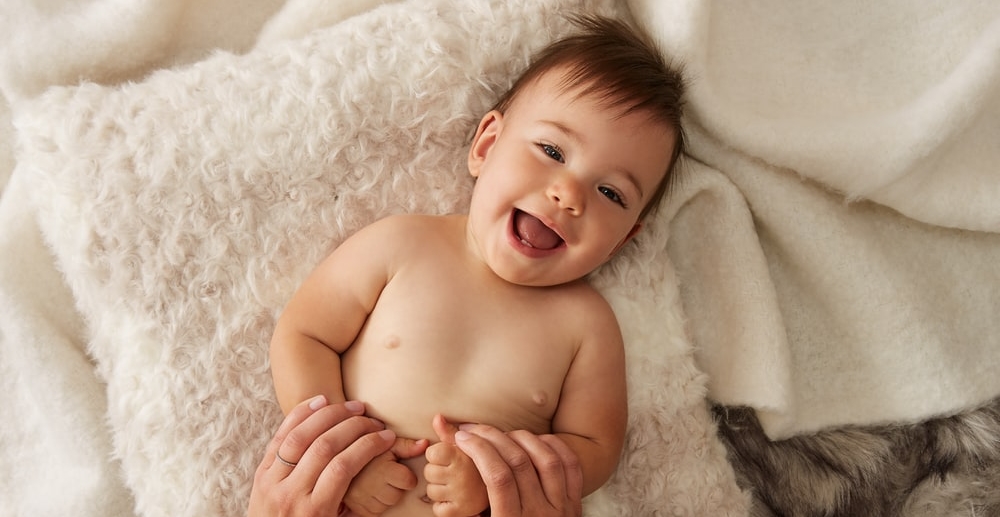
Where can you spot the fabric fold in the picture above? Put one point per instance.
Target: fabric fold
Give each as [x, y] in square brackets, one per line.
[885, 319]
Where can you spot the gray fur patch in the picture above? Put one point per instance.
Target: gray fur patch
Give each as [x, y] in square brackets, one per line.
[942, 467]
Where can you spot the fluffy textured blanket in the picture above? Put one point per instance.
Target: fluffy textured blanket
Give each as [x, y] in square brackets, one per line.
[834, 239]
[837, 240]
[183, 210]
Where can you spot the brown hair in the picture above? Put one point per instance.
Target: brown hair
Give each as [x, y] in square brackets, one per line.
[624, 68]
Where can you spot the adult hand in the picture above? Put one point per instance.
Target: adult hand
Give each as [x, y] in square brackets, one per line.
[314, 455]
[525, 474]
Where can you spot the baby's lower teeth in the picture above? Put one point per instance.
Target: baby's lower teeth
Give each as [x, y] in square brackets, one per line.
[526, 243]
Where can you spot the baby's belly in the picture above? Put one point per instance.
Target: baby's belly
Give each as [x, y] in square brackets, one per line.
[407, 388]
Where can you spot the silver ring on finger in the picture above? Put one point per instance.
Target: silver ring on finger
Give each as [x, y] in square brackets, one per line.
[283, 461]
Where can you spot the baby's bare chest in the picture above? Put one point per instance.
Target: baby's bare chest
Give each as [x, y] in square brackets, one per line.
[472, 353]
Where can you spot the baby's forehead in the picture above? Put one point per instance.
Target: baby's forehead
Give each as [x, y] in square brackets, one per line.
[564, 81]
[556, 99]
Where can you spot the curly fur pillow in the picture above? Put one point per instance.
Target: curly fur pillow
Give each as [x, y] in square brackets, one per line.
[184, 210]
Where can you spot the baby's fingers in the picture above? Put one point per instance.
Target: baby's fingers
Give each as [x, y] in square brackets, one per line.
[443, 497]
[437, 474]
[441, 454]
[444, 429]
[406, 448]
[399, 476]
[447, 509]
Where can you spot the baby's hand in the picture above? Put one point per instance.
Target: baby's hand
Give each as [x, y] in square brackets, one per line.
[382, 483]
[453, 482]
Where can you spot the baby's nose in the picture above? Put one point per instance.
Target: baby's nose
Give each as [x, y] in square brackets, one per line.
[567, 193]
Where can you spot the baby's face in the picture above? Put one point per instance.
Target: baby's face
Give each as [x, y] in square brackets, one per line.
[562, 180]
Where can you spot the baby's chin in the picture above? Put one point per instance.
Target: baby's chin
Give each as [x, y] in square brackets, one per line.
[541, 281]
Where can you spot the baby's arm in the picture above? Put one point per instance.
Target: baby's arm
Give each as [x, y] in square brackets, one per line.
[593, 407]
[325, 316]
[320, 322]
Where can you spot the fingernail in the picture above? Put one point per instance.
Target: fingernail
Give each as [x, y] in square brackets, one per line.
[377, 422]
[466, 426]
[461, 436]
[387, 435]
[354, 406]
[317, 402]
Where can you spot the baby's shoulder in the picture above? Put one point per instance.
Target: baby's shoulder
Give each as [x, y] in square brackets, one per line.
[584, 304]
[595, 321]
[404, 229]
[401, 223]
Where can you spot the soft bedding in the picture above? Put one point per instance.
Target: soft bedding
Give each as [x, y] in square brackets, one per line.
[824, 274]
[184, 209]
[839, 255]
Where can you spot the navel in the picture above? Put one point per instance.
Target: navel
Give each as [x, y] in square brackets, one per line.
[540, 398]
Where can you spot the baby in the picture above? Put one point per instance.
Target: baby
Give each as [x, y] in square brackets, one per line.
[488, 317]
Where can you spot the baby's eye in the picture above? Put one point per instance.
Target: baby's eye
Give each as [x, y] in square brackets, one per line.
[553, 152]
[613, 195]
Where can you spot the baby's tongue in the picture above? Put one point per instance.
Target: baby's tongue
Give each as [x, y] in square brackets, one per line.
[534, 233]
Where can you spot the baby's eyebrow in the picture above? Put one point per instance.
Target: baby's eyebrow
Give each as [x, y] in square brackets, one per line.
[566, 130]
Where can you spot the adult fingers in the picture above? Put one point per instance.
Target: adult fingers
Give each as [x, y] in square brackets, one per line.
[558, 468]
[502, 465]
[548, 466]
[339, 464]
[326, 437]
[307, 421]
[526, 473]
[283, 489]
[295, 417]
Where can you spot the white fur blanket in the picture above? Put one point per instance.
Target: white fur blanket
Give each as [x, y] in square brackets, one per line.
[178, 212]
[834, 234]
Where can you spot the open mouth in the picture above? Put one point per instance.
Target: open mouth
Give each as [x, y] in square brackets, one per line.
[533, 233]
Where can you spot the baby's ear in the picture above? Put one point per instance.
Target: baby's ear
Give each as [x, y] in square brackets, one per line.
[445, 430]
[486, 136]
